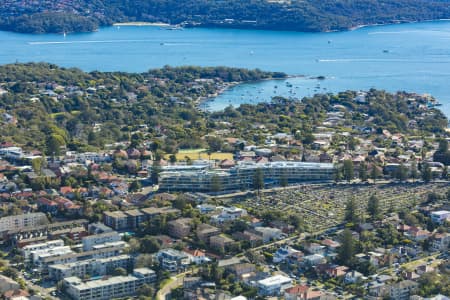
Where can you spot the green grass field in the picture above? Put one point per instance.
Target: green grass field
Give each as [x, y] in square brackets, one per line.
[194, 154]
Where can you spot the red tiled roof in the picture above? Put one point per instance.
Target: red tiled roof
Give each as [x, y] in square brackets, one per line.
[24, 194]
[330, 243]
[45, 201]
[65, 190]
[298, 289]
[227, 163]
[403, 227]
[62, 200]
[15, 293]
[312, 294]
[421, 233]
[73, 206]
[196, 252]
[6, 144]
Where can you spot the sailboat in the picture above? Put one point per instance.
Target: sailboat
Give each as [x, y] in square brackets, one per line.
[175, 27]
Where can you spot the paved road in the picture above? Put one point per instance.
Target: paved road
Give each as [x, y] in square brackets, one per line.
[411, 265]
[44, 293]
[175, 281]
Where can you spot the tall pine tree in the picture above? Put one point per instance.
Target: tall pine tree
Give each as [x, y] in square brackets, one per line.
[347, 249]
[373, 207]
[350, 211]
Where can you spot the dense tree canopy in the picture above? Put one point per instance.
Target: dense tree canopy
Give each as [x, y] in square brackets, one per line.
[83, 15]
[57, 107]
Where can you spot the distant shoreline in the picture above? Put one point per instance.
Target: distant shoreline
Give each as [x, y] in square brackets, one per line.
[211, 26]
[352, 28]
[157, 24]
[356, 27]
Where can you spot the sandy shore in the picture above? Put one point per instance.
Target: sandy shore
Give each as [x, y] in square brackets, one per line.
[159, 24]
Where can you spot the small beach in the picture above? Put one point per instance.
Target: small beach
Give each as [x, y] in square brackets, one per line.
[157, 24]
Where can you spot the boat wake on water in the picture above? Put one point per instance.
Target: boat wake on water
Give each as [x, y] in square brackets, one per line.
[408, 32]
[363, 60]
[103, 41]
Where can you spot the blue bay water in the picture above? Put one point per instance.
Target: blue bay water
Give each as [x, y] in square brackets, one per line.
[412, 57]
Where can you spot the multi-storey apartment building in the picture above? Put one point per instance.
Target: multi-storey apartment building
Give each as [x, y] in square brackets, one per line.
[113, 250]
[132, 219]
[92, 240]
[180, 228]
[108, 288]
[90, 267]
[22, 221]
[242, 176]
[116, 219]
[172, 260]
[28, 249]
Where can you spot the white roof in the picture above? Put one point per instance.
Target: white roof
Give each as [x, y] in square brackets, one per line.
[275, 280]
[285, 164]
[239, 298]
[144, 271]
[313, 257]
[80, 285]
[440, 212]
[12, 149]
[233, 209]
[55, 251]
[48, 243]
[105, 260]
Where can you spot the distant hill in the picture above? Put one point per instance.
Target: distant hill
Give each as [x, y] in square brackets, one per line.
[297, 15]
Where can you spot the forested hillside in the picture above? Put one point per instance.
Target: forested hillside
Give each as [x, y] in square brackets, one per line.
[309, 15]
[43, 105]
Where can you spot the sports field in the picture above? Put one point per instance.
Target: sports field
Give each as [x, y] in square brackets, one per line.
[194, 154]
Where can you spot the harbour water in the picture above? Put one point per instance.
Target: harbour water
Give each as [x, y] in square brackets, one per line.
[412, 57]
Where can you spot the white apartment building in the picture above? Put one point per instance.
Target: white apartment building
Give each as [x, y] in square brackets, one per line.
[268, 233]
[241, 177]
[229, 214]
[90, 267]
[38, 256]
[440, 216]
[274, 285]
[118, 244]
[79, 256]
[108, 288]
[11, 152]
[92, 240]
[102, 289]
[28, 249]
